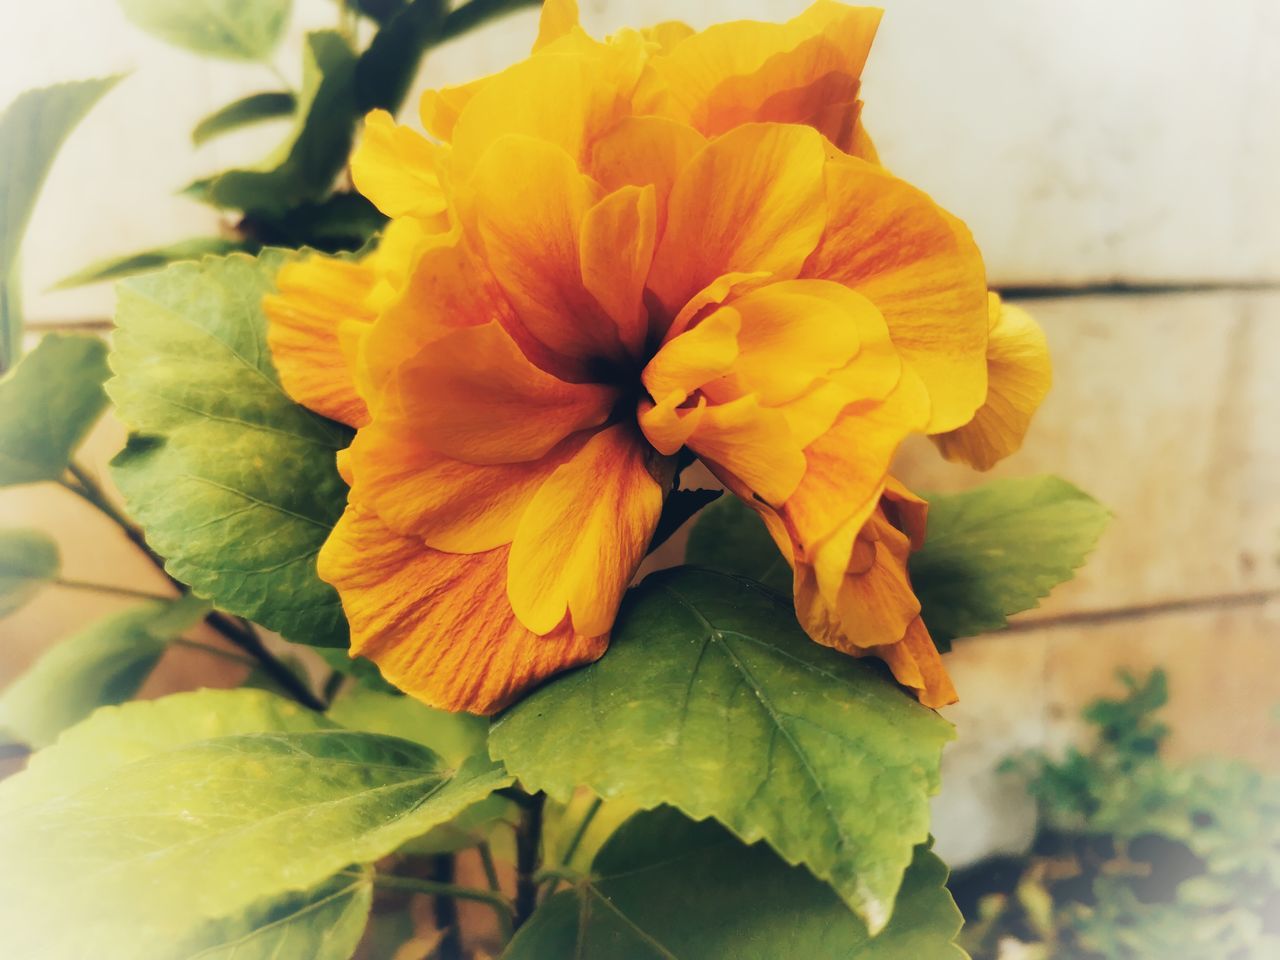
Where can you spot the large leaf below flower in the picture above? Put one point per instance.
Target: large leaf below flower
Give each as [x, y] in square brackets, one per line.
[664, 888]
[712, 699]
[48, 403]
[999, 549]
[731, 538]
[235, 484]
[148, 849]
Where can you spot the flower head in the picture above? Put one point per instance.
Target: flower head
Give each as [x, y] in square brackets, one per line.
[609, 253]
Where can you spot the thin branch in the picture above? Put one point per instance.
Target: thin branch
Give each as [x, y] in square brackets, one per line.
[213, 651]
[433, 889]
[490, 868]
[528, 847]
[107, 588]
[575, 841]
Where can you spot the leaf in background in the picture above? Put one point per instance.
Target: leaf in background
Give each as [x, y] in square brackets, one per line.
[731, 538]
[248, 110]
[32, 130]
[209, 830]
[116, 268]
[305, 167]
[997, 550]
[28, 560]
[390, 63]
[234, 483]
[712, 699]
[476, 13]
[379, 11]
[323, 923]
[665, 887]
[103, 664]
[341, 222]
[230, 29]
[48, 403]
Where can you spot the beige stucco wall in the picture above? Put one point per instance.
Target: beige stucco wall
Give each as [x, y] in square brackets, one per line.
[1088, 144]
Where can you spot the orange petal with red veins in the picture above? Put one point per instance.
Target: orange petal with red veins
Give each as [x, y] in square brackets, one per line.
[584, 534]
[438, 625]
[395, 168]
[616, 250]
[752, 200]
[920, 267]
[448, 504]
[473, 396]
[314, 321]
[645, 151]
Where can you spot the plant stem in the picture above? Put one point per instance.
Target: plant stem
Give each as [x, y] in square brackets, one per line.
[212, 651]
[576, 841]
[528, 845]
[431, 888]
[107, 588]
[471, 15]
[240, 633]
[490, 868]
[332, 684]
[446, 910]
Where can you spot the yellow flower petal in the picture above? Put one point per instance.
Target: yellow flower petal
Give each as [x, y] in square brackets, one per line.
[645, 151]
[395, 169]
[584, 534]
[921, 269]
[754, 444]
[696, 356]
[751, 200]
[615, 251]
[318, 299]
[668, 34]
[1019, 374]
[438, 625]
[558, 17]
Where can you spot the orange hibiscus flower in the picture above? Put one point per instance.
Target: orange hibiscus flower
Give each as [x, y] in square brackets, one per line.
[611, 253]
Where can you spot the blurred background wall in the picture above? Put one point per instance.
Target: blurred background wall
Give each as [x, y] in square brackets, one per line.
[1119, 163]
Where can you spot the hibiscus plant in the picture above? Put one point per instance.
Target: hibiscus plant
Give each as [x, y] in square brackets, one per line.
[404, 436]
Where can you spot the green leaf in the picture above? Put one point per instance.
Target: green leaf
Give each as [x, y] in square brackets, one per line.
[234, 483]
[323, 923]
[304, 169]
[116, 268]
[104, 664]
[664, 888]
[48, 403]
[379, 11]
[343, 221]
[390, 63]
[731, 538]
[997, 550]
[249, 110]
[230, 29]
[150, 852]
[475, 13]
[712, 699]
[32, 130]
[28, 560]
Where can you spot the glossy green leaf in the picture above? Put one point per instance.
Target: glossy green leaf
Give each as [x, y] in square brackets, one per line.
[103, 664]
[665, 888]
[252, 109]
[390, 63]
[147, 854]
[323, 923]
[999, 549]
[305, 167]
[712, 699]
[730, 537]
[230, 29]
[48, 403]
[32, 130]
[28, 560]
[234, 483]
[115, 268]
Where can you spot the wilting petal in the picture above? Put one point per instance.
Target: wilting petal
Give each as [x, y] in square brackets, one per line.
[915, 663]
[473, 396]
[584, 534]
[445, 503]
[314, 321]
[921, 269]
[803, 71]
[1019, 374]
[438, 625]
[751, 200]
[395, 169]
[616, 250]
[527, 202]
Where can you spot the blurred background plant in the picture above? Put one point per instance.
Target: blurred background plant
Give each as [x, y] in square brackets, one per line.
[1135, 858]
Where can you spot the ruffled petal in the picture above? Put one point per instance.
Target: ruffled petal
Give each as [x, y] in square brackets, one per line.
[1019, 374]
[693, 358]
[804, 71]
[445, 503]
[558, 17]
[668, 34]
[438, 625]
[616, 249]
[642, 152]
[753, 443]
[921, 269]
[751, 200]
[314, 322]
[395, 169]
[584, 534]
